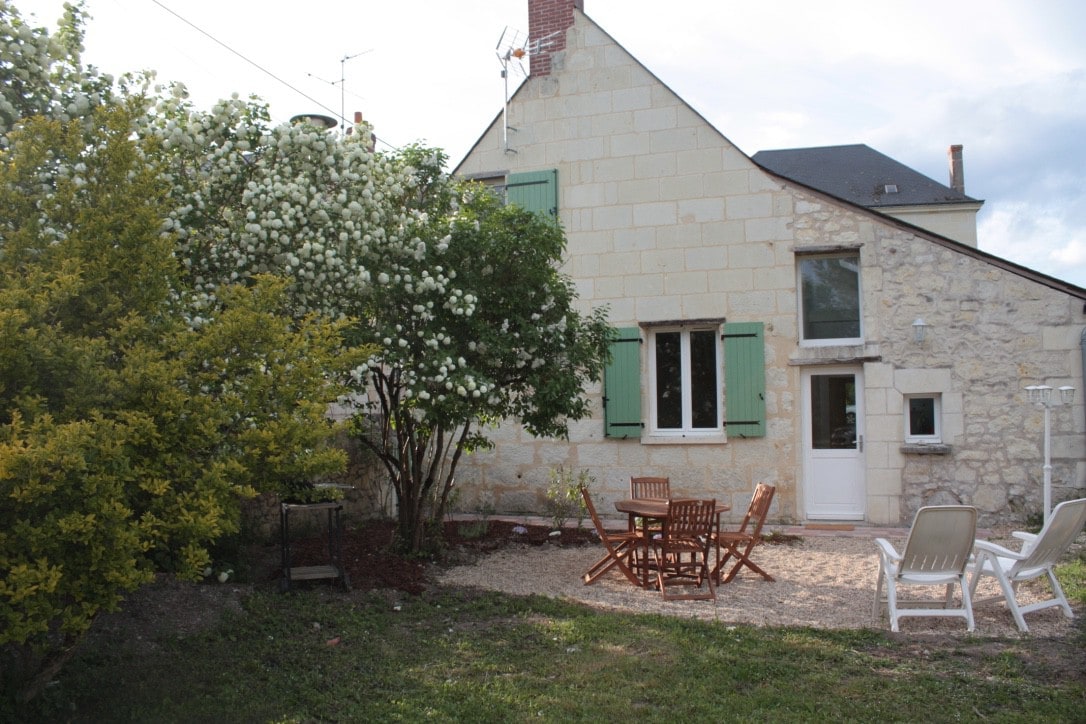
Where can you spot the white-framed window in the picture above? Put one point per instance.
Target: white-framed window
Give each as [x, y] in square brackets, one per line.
[829, 300]
[685, 375]
[923, 415]
[629, 389]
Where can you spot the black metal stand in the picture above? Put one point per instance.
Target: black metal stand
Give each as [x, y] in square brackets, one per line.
[334, 568]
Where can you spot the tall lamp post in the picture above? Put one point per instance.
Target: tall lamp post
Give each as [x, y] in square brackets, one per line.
[1042, 395]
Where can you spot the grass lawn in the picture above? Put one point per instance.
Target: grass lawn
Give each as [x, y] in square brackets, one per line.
[459, 655]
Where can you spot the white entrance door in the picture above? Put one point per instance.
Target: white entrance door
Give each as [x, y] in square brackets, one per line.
[833, 443]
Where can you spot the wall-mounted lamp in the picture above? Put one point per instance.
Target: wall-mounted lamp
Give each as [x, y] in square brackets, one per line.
[919, 327]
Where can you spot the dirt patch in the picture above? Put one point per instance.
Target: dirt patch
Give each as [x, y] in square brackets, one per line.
[168, 608]
[371, 563]
[172, 608]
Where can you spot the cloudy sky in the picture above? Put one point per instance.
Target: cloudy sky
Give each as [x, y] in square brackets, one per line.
[1006, 79]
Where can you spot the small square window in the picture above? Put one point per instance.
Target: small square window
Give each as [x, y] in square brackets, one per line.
[922, 419]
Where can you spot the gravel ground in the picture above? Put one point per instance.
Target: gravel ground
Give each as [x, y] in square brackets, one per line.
[821, 581]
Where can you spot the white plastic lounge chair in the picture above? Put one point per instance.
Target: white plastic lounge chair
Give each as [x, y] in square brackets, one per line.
[937, 552]
[1039, 553]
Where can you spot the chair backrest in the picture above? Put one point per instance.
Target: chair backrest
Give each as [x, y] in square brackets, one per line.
[592, 511]
[604, 535]
[689, 519]
[940, 540]
[1064, 525]
[758, 509]
[659, 488]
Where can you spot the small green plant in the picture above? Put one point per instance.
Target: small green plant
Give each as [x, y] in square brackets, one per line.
[477, 528]
[564, 500]
[1072, 575]
[1035, 521]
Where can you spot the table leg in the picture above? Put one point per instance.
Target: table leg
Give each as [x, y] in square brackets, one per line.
[646, 544]
[638, 561]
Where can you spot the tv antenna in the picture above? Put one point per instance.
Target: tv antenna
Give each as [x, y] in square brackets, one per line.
[342, 83]
[514, 46]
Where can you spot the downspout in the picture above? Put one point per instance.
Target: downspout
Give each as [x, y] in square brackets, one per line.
[1082, 357]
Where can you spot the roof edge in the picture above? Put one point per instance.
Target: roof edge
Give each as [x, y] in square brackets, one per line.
[997, 261]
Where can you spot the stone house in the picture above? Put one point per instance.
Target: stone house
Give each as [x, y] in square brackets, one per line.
[766, 329]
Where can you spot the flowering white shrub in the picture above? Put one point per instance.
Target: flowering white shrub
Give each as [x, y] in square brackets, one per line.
[41, 74]
[130, 427]
[456, 298]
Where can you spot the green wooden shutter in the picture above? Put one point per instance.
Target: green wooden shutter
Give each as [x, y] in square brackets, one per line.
[744, 378]
[535, 191]
[622, 385]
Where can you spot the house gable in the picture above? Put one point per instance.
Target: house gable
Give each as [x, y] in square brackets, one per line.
[679, 233]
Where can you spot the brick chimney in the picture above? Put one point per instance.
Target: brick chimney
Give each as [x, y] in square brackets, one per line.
[957, 173]
[546, 17]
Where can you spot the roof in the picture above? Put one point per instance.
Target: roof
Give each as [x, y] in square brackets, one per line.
[860, 175]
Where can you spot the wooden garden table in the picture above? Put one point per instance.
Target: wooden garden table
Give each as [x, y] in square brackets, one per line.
[652, 509]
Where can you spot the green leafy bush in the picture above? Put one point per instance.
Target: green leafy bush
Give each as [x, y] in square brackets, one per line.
[564, 499]
[128, 434]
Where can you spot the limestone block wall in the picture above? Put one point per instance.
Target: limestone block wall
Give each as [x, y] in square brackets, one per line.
[990, 333]
[667, 220]
[959, 224]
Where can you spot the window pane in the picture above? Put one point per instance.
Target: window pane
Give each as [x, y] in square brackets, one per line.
[833, 412]
[703, 379]
[669, 399]
[921, 416]
[831, 297]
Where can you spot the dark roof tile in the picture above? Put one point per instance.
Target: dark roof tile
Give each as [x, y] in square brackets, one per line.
[859, 174]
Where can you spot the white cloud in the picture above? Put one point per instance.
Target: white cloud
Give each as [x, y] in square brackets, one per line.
[1038, 237]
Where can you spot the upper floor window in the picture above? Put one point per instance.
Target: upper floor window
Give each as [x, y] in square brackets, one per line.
[686, 380]
[830, 299]
[534, 190]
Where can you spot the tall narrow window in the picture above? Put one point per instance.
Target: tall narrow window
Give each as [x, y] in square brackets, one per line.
[669, 382]
[704, 382]
[830, 299]
[686, 377]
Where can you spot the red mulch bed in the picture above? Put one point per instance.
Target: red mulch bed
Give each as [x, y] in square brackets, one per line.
[371, 563]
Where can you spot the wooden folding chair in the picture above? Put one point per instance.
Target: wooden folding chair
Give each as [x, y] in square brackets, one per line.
[740, 543]
[650, 488]
[681, 554]
[620, 547]
[654, 488]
